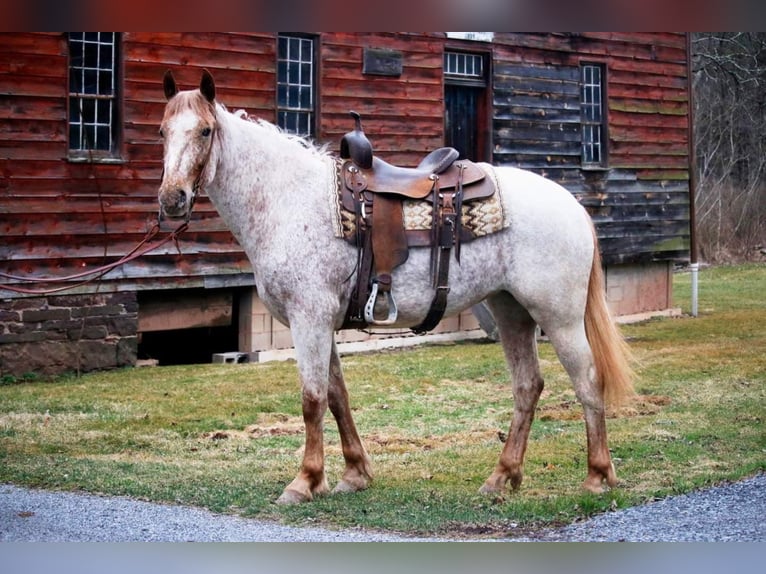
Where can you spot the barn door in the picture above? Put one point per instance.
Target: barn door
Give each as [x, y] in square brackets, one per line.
[465, 107]
[461, 119]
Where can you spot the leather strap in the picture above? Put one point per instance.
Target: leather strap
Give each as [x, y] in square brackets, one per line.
[447, 234]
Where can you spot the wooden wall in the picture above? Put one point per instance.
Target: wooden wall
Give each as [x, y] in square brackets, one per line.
[59, 217]
[403, 115]
[641, 203]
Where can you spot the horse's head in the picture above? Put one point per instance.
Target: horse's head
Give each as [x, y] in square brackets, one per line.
[187, 131]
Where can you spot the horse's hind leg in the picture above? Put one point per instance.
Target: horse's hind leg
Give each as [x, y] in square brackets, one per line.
[575, 354]
[358, 472]
[517, 335]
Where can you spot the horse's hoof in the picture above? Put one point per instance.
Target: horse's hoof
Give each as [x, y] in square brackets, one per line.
[495, 484]
[290, 496]
[595, 481]
[493, 488]
[594, 488]
[488, 490]
[594, 484]
[350, 486]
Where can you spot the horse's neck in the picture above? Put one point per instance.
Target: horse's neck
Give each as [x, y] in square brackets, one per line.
[261, 180]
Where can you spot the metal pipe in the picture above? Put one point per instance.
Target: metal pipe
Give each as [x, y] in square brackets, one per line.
[693, 262]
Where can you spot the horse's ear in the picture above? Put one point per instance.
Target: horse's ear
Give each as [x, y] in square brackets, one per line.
[169, 85]
[207, 86]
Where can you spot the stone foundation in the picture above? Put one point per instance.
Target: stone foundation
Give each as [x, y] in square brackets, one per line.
[77, 333]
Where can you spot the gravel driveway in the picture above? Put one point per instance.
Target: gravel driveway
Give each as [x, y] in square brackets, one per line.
[731, 512]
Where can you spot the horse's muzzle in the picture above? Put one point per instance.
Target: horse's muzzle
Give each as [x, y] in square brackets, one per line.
[175, 203]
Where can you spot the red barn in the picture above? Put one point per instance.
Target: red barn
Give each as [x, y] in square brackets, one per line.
[605, 114]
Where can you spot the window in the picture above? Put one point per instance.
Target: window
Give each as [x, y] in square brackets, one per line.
[593, 117]
[296, 84]
[93, 94]
[460, 67]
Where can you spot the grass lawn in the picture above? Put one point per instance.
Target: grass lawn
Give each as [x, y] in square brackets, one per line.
[229, 437]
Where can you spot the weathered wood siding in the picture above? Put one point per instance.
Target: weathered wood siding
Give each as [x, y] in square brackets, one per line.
[59, 217]
[403, 115]
[640, 204]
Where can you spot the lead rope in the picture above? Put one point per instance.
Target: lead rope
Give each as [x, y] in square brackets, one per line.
[139, 250]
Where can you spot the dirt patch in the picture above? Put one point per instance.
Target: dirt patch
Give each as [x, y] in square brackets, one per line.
[393, 442]
[571, 410]
[268, 424]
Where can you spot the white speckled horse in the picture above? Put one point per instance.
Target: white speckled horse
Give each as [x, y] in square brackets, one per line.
[543, 269]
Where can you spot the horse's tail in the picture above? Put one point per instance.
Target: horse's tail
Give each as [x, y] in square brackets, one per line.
[611, 355]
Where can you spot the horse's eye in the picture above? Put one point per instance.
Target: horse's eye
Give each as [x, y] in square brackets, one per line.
[162, 133]
[205, 132]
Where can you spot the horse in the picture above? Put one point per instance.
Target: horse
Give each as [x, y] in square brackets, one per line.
[270, 189]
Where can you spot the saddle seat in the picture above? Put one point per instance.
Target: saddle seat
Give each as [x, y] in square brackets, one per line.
[412, 182]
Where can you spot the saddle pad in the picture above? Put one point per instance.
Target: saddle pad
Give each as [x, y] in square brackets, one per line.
[480, 217]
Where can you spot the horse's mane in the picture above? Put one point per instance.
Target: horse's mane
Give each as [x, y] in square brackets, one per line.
[195, 101]
[303, 142]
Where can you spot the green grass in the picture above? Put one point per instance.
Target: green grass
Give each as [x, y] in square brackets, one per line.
[228, 437]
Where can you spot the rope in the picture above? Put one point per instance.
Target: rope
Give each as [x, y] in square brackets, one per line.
[139, 250]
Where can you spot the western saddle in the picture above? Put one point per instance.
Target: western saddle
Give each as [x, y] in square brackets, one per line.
[375, 191]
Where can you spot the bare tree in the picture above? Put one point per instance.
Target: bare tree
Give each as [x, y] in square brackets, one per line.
[730, 137]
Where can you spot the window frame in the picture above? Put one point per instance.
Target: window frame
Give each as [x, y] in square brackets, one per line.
[479, 80]
[588, 122]
[300, 85]
[75, 98]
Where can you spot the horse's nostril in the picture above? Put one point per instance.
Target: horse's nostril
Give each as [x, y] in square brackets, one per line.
[181, 198]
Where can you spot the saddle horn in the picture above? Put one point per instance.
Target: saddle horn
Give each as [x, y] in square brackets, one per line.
[355, 145]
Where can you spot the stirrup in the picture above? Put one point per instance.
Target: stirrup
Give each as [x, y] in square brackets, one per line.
[369, 308]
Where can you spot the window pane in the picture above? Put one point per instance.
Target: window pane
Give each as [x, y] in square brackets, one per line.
[104, 109]
[74, 136]
[91, 79]
[91, 55]
[105, 56]
[102, 137]
[88, 110]
[75, 54]
[305, 102]
[88, 137]
[293, 96]
[305, 74]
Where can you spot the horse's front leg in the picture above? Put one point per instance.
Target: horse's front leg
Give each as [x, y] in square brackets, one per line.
[358, 472]
[313, 347]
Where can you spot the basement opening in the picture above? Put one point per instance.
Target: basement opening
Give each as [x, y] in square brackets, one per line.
[186, 327]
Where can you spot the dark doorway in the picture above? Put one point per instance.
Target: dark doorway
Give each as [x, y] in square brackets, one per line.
[461, 122]
[465, 104]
